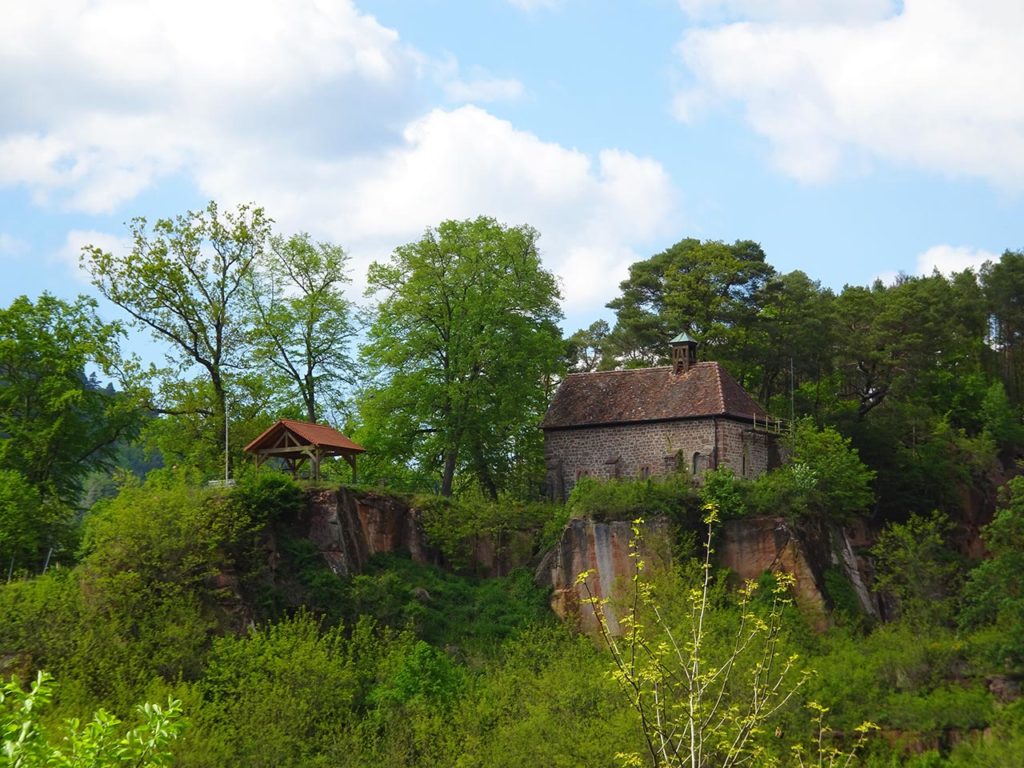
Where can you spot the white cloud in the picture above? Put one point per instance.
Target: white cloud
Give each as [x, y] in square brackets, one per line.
[11, 247]
[103, 98]
[480, 86]
[936, 87]
[948, 259]
[787, 10]
[312, 109]
[76, 239]
[482, 89]
[591, 211]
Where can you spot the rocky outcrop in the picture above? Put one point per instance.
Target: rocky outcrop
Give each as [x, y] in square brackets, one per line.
[602, 550]
[348, 529]
[747, 547]
[752, 546]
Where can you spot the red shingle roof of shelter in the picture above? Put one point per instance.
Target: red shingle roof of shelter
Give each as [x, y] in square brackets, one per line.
[312, 434]
[649, 394]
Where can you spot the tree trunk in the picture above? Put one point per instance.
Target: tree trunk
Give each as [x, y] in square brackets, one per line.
[448, 477]
[309, 396]
[221, 411]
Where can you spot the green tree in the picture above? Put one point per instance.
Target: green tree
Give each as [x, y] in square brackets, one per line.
[792, 336]
[840, 482]
[465, 345]
[1003, 285]
[994, 592]
[1001, 421]
[915, 340]
[824, 476]
[586, 347]
[302, 320]
[57, 423]
[708, 289]
[916, 565]
[183, 279]
[25, 525]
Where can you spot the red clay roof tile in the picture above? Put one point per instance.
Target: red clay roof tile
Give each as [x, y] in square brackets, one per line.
[649, 394]
[313, 434]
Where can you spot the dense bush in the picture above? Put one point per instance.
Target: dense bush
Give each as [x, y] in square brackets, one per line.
[407, 664]
[994, 593]
[672, 495]
[445, 609]
[916, 564]
[519, 528]
[103, 742]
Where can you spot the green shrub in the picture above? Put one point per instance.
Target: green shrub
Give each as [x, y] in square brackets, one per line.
[846, 606]
[445, 609]
[898, 676]
[824, 476]
[517, 528]
[672, 495]
[278, 695]
[727, 492]
[1002, 748]
[266, 497]
[945, 707]
[103, 742]
[40, 622]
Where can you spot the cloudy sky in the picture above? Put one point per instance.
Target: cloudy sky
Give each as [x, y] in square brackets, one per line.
[851, 138]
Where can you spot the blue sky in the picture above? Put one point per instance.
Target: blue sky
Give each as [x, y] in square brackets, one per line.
[851, 138]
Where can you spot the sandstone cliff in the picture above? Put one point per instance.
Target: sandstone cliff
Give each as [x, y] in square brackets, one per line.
[746, 547]
[602, 550]
[347, 528]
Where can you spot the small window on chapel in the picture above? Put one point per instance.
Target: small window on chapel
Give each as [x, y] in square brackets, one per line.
[700, 463]
[645, 472]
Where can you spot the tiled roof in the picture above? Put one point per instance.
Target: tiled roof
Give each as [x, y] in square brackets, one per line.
[649, 394]
[313, 434]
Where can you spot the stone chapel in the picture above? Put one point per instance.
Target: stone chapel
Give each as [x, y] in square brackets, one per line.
[652, 421]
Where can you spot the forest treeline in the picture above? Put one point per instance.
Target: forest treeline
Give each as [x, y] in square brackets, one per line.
[127, 574]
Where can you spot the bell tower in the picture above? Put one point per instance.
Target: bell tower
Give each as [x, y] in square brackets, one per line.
[684, 353]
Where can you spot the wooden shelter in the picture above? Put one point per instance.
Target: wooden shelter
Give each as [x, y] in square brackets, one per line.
[299, 441]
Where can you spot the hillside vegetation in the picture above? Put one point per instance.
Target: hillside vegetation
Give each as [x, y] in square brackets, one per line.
[130, 579]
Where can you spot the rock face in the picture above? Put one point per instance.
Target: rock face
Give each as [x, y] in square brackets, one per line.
[602, 550]
[752, 546]
[747, 547]
[348, 529]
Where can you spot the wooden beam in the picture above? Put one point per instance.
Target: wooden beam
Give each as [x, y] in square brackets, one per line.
[281, 451]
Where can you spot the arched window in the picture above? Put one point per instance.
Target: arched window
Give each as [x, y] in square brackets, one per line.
[700, 464]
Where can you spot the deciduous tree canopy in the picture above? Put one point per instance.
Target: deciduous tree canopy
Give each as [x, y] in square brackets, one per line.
[57, 422]
[183, 279]
[464, 345]
[301, 320]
